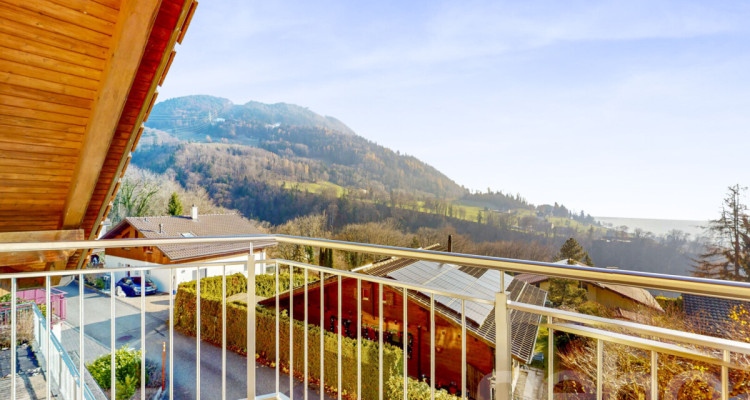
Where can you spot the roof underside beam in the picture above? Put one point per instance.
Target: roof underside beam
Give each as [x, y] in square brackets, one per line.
[128, 44]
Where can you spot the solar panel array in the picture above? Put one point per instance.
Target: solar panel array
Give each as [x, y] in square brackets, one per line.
[481, 317]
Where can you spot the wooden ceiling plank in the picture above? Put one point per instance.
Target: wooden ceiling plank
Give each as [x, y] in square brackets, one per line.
[21, 155]
[128, 45]
[51, 38]
[52, 52]
[36, 132]
[35, 123]
[25, 69]
[45, 85]
[66, 14]
[36, 114]
[48, 63]
[55, 25]
[59, 109]
[47, 196]
[31, 183]
[113, 4]
[39, 141]
[39, 149]
[14, 162]
[97, 10]
[67, 102]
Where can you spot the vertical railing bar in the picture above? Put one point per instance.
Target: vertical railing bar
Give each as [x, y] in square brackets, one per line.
[654, 375]
[464, 396]
[404, 301]
[503, 358]
[599, 368]
[48, 319]
[338, 338]
[13, 337]
[380, 342]
[305, 338]
[278, 334]
[291, 332]
[223, 332]
[143, 335]
[198, 334]
[322, 336]
[359, 339]
[81, 327]
[171, 333]
[250, 320]
[432, 346]
[112, 314]
[550, 361]
[726, 356]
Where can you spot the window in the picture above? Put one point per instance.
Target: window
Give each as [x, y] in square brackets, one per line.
[187, 234]
[389, 299]
[365, 293]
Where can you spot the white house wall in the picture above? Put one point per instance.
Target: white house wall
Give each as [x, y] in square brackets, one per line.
[235, 264]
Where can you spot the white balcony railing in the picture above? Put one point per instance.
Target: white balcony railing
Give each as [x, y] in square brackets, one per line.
[653, 339]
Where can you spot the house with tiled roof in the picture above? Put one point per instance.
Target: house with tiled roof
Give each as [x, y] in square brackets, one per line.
[235, 255]
[618, 297]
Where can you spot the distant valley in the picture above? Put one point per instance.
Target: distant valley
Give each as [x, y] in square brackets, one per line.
[656, 226]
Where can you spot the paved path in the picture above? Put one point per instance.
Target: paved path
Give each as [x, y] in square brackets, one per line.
[127, 333]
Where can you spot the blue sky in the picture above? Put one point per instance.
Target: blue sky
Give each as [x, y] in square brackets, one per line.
[628, 109]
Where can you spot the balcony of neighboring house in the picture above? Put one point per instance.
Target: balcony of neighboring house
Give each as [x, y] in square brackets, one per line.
[417, 324]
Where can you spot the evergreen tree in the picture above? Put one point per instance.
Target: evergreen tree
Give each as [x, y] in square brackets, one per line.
[728, 256]
[175, 206]
[568, 292]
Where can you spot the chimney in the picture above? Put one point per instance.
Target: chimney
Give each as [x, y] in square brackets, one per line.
[194, 213]
[450, 243]
[161, 228]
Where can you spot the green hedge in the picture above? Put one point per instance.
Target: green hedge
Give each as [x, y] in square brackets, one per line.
[265, 285]
[266, 347]
[236, 283]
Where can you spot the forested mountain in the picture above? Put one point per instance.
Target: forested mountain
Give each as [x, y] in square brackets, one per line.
[283, 142]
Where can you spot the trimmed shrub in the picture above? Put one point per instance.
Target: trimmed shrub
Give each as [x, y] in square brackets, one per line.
[670, 303]
[127, 365]
[416, 390]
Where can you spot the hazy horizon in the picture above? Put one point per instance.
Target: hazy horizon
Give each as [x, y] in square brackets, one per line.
[616, 109]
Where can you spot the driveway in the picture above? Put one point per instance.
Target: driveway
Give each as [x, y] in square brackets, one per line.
[127, 333]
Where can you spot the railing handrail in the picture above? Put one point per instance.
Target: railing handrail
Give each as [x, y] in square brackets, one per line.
[675, 283]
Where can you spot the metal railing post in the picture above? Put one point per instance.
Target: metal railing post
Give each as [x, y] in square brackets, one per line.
[198, 334]
[599, 368]
[223, 332]
[503, 363]
[359, 339]
[13, 337]
[250, 324]
[338, 341]
[380, 342]
[143, 335]
[322, 336]
[171, 333]
[80, 336]
[48, 339]
[654, 375]
[112, 315]
[306, 343]
[291, 332]
[726, 356]
[550, 361]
